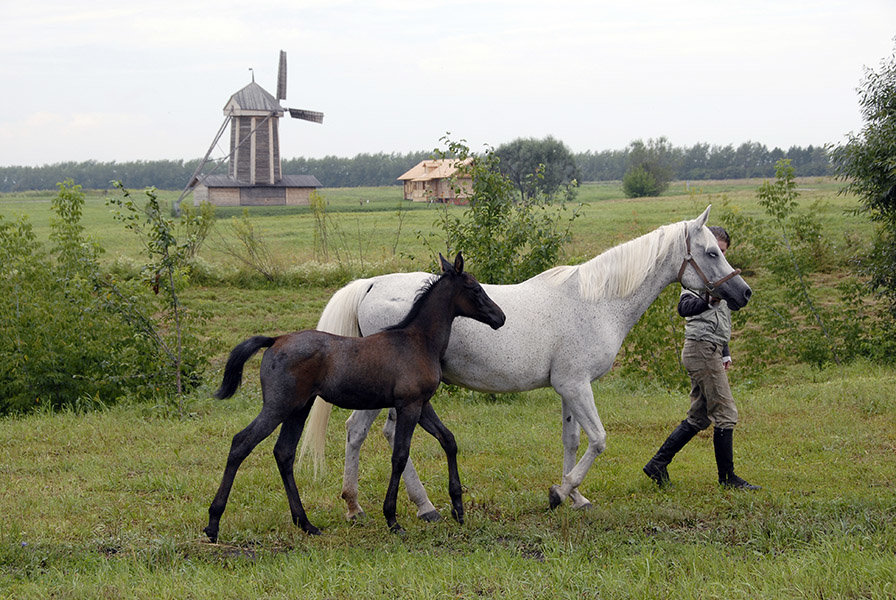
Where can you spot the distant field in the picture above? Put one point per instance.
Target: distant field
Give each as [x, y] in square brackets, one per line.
[375, 225]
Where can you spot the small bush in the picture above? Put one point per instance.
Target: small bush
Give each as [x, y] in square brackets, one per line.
[638, 182]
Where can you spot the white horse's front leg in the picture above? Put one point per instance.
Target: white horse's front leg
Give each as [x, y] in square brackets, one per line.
[578, 399]
[416, 491]
[571, 432]
[356, 427]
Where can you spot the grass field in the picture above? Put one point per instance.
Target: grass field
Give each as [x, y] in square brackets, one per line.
[111, 504]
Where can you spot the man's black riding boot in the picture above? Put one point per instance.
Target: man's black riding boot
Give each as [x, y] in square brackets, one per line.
[722, 441]
[656, 468]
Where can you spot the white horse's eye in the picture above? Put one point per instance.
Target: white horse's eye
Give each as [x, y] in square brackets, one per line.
[713, 254]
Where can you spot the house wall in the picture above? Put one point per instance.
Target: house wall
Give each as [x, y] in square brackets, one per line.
[298, 196]
[216, 196]
[437, 190]
[262, 196]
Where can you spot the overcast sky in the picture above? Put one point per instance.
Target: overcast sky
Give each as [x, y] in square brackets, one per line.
[111, 80]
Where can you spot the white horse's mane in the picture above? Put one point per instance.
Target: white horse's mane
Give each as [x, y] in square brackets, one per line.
[619, 271]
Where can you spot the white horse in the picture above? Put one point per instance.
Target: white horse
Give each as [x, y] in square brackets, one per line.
[564, 328]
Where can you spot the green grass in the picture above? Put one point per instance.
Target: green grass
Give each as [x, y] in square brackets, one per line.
[111, 504]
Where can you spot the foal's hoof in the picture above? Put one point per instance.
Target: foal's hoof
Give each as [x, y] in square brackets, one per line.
[396, 528]
[212, 534]
[584, 506]
[554, 497]
[432, 516]
[311, 530]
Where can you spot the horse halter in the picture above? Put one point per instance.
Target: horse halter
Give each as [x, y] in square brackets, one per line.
[709, 286]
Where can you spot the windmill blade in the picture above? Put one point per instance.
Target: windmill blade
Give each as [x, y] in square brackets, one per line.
[281, 77]
[306, 115]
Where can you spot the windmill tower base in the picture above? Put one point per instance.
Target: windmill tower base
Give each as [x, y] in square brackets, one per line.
[223, 190]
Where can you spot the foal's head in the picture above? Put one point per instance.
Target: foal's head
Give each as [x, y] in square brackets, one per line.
[470, 300]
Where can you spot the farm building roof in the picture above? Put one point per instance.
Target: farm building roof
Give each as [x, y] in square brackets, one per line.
[427, 170]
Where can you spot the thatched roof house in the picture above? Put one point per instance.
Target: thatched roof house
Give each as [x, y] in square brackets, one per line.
[437, 181]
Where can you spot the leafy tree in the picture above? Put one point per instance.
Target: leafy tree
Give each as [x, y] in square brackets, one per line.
[867, 163]
[538, 166]
[650, 168]
[503, 240]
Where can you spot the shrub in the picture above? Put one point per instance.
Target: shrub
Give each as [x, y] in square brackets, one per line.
[504, 241]
[74, 336]
[638, 182]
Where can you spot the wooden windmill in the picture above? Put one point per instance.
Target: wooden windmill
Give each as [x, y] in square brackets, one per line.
[254, 176]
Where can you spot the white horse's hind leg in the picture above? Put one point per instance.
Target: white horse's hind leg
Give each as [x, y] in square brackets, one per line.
[571, 432]
[412, 483]
[579, 400]
[356, 428]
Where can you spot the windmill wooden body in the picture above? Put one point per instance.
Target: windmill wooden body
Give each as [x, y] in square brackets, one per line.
[254, 175]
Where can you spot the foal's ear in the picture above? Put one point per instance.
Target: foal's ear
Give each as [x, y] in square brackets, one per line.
[445, 265]
[459, 263]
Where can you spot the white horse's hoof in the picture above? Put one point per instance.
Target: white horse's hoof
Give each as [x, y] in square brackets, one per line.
[583, 506]
[432, 516]
[358, 517]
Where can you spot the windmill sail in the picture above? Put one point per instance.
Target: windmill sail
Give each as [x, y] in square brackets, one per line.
[306, 115]
[281, 77]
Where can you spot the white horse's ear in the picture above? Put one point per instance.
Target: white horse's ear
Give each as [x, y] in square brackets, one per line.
[459, 263]
[702, 219]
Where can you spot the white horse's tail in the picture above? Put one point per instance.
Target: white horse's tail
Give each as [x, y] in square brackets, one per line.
[340, 316]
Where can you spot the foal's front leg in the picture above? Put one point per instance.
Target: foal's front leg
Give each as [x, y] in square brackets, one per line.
[406, 420]
[430, 421]
[412, 484]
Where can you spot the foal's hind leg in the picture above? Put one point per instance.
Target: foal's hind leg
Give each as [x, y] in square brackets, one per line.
[430, 421]
[243, 444]
[412, 484]
[285, 455]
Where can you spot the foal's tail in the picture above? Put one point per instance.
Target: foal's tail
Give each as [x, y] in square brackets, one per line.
[233, 372]
[340, 316]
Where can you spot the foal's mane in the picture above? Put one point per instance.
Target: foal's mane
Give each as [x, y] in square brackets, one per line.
[419, 301]
[619, 271]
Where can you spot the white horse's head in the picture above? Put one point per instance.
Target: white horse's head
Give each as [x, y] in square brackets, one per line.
[704, 266]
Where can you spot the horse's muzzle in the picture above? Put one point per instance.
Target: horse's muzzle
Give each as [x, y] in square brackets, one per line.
[497, 320]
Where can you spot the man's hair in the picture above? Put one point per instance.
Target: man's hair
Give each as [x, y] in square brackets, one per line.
[720, 234]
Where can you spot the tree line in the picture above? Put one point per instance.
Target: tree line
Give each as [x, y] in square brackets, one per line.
[697, 162]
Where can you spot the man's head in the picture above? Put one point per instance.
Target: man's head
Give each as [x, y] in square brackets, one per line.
[722, 237]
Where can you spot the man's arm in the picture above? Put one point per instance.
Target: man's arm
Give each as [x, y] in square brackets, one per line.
[690, 304]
